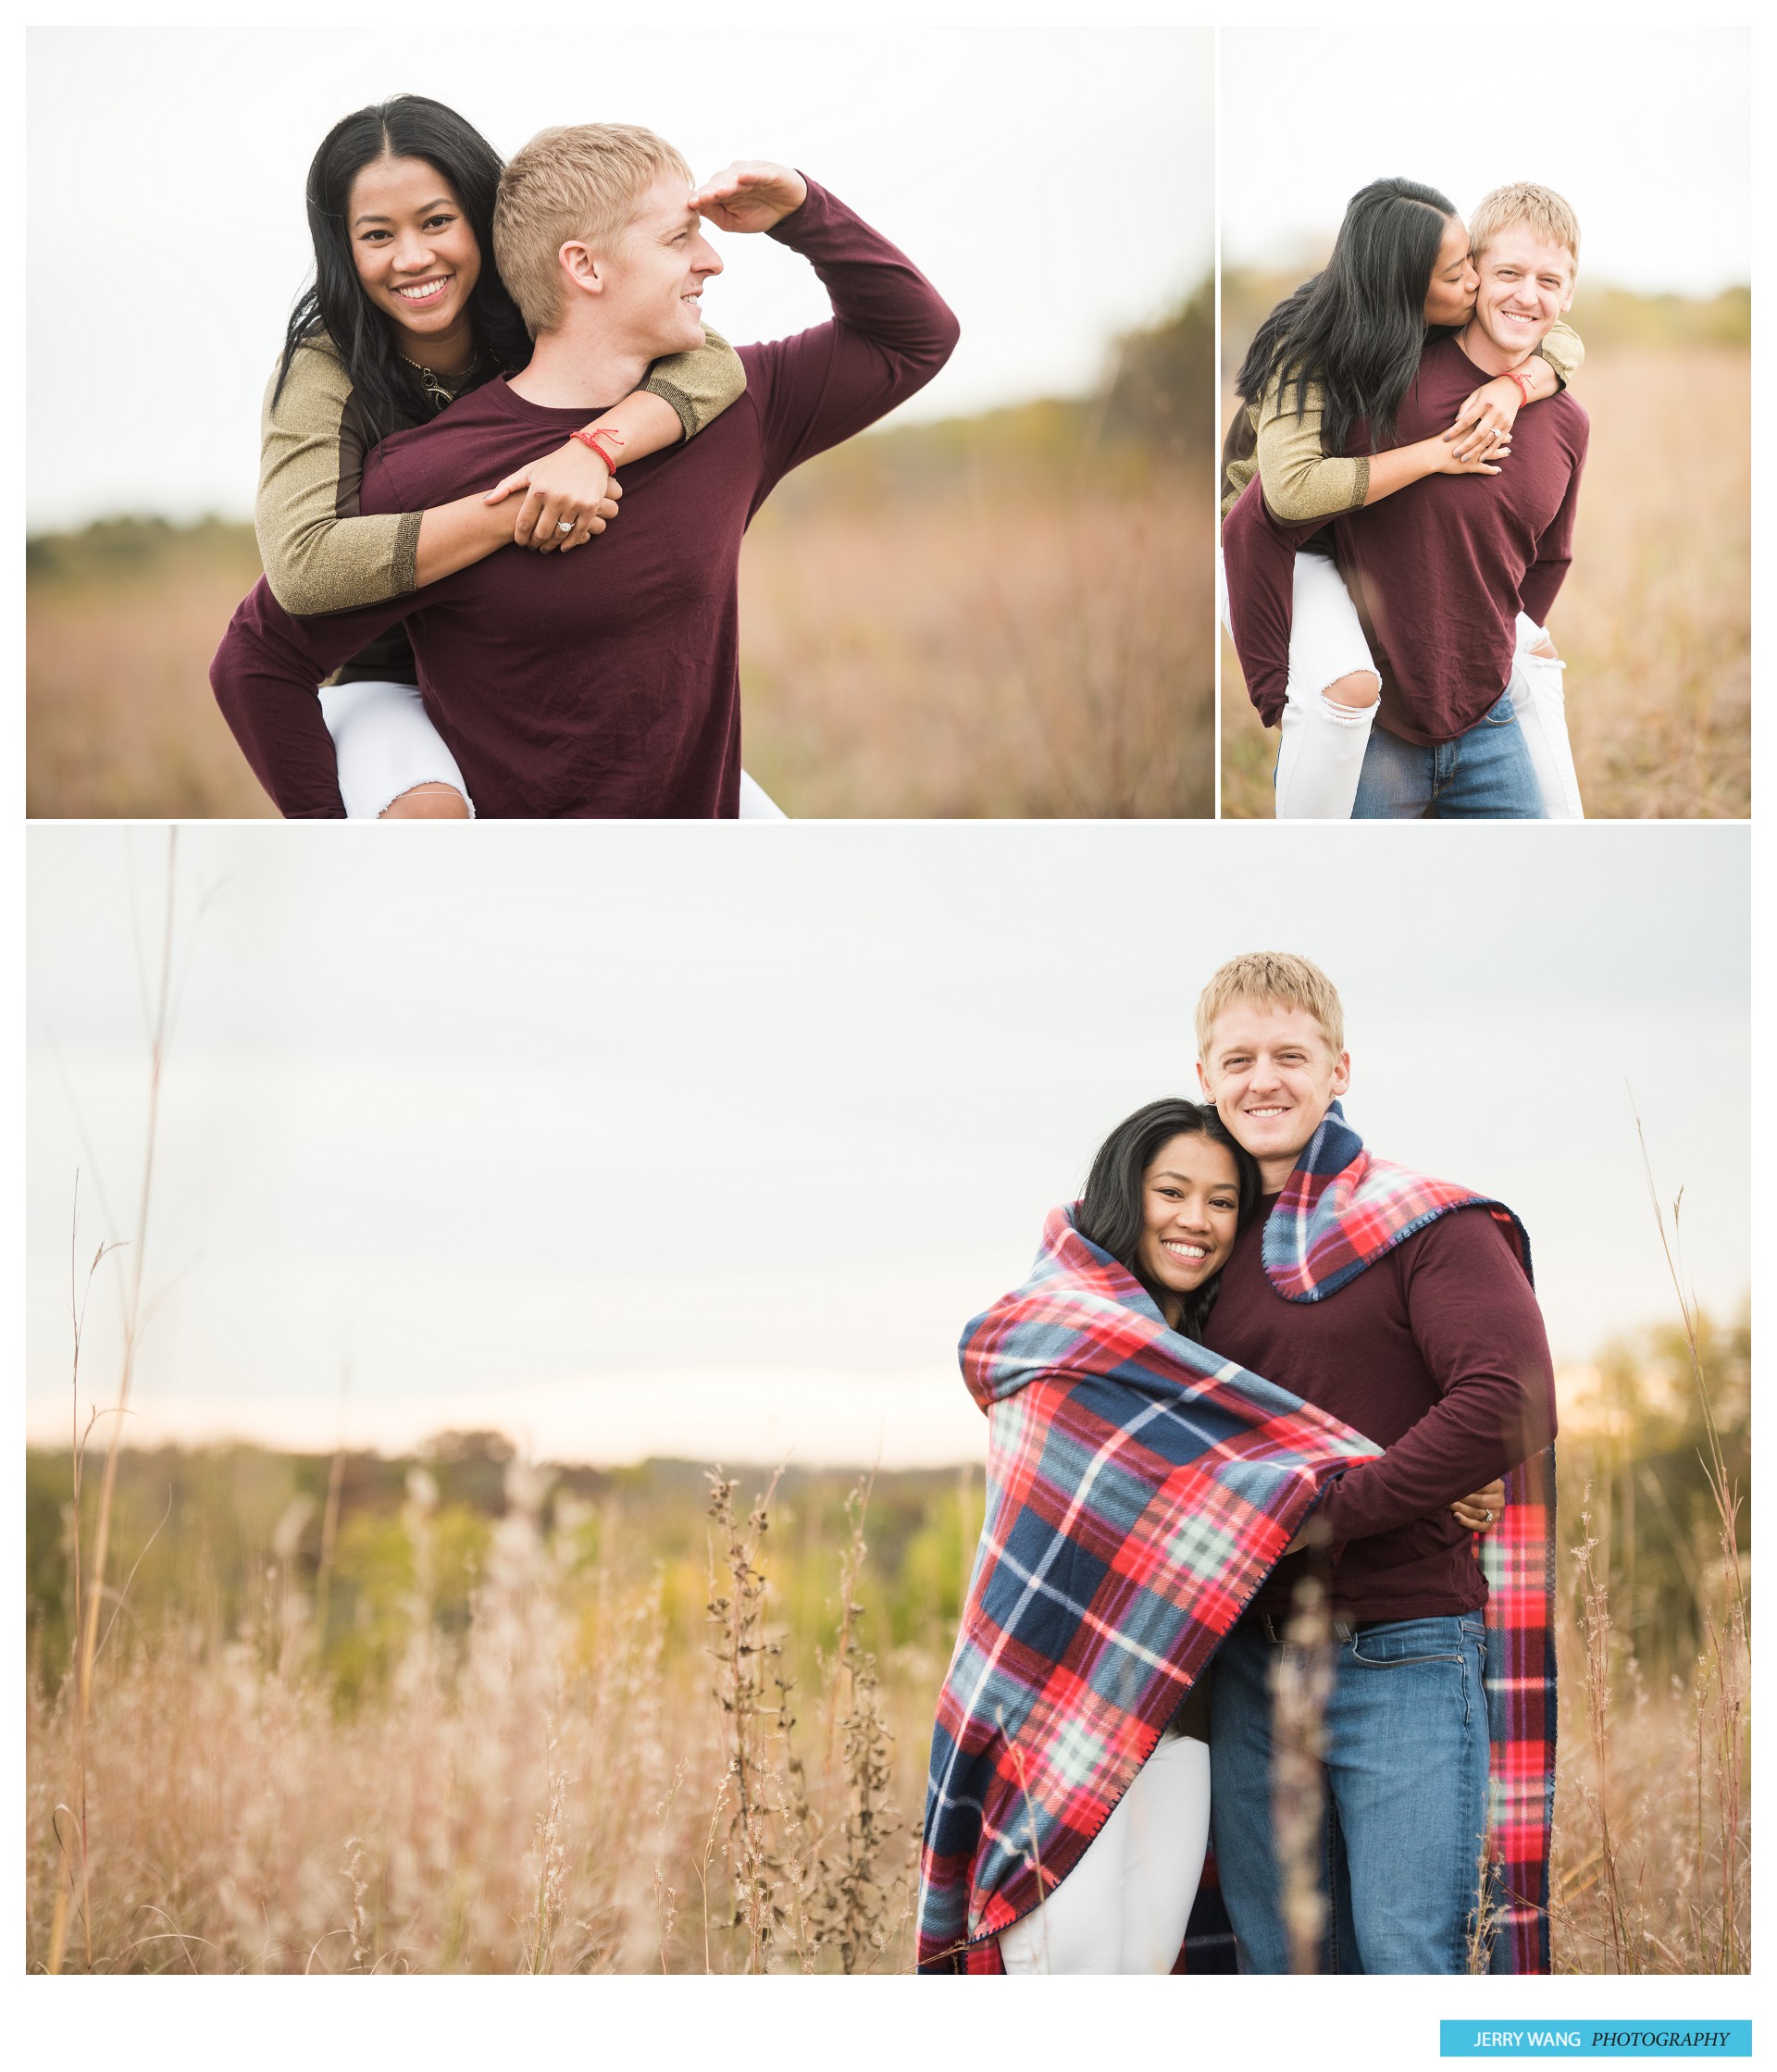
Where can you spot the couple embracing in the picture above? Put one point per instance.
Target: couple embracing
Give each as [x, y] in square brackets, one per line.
[1253, 1354]
[1398, 496]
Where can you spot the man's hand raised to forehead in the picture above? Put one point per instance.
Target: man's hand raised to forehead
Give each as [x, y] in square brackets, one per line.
[750, 195]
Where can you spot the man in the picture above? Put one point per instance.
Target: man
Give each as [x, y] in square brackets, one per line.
[1442, 572]
[1433, 1348]
[605, 683]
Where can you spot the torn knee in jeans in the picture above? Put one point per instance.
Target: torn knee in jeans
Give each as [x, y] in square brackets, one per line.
[431, 800]
[1356, 692]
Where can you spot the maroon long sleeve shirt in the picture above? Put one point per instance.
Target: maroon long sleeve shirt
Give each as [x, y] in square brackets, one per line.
[1437, 1353]
[605, 682]
[1438, 571]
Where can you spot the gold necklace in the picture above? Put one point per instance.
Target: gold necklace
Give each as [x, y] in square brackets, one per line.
[436, 393]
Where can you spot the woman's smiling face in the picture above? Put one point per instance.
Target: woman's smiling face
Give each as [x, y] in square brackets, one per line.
[1451, 297]
[1190, 1206]
[415, 252]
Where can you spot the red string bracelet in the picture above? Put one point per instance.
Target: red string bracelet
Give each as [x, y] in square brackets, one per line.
[1512, 374]
[591, 438]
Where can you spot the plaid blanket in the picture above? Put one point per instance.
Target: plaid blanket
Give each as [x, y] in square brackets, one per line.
[1139, 1489]
[1340, 1211]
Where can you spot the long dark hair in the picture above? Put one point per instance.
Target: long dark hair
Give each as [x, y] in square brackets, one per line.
[1112, 1211]
[1359, 326]
[388, 390]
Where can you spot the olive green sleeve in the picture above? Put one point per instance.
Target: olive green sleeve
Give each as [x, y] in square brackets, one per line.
[318, 553]
[1564, 350]
[1301, 482]
[1239, 462]
[699, 385]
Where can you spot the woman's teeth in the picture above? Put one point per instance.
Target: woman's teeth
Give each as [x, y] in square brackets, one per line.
[1185, 1251]
[425, 293]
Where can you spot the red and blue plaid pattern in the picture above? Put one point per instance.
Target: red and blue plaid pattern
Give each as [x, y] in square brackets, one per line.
[1340, 1211]
[1518, 1559]
[1139, 1489]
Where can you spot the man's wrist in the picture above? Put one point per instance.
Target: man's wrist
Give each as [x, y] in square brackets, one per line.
[789, 214]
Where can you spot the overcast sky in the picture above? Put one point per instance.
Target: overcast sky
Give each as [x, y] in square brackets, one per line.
[1071, 202]
[1645, 131]
[705, 1141]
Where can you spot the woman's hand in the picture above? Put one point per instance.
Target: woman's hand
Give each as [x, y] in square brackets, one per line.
[750, 195]
[1481, 1512]
[571, 485]
[1488, 415]
[1486, 459]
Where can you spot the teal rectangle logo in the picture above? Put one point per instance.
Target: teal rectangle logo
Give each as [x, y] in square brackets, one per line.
[1565, 2038]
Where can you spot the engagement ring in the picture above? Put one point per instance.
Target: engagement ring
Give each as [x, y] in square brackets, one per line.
[567, 526]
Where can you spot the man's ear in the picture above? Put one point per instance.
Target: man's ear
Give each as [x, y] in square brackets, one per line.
[576, 260]
[1342, 1072]
[1203, 1081]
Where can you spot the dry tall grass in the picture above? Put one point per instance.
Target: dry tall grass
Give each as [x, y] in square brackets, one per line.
[1655, 617]
[119, 716]
[547, 1791]
[1037, 651]
[1657, 1870]
[562, 1787]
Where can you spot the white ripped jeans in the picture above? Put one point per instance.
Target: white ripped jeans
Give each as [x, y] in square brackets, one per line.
[1322, 752]
[385, 745]
[1124, 1906]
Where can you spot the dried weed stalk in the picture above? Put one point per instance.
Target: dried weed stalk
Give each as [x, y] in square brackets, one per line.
[1301, 1678]
[750, 1693]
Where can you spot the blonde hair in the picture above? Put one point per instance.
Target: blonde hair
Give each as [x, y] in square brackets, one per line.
[1272, 978]
[1539, 207]
[582, 183]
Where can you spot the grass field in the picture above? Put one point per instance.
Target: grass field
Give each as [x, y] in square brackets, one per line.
[1031, 650]
[1655, 617]
[1010, 615]
[455, 1713]
[120, 627]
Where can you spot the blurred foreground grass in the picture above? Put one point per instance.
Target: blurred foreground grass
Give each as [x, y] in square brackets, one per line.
[458, 1713]
[1654, 619]
[1010, 615]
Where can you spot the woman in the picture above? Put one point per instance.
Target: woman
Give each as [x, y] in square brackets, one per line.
[1343, 349]
[406, 313]
[1070, 1799]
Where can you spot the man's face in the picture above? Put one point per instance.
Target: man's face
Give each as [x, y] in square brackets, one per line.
[656, 271]
[1272, 1076]
[1526, 285]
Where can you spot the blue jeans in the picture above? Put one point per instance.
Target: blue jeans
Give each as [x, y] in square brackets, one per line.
[1405, 1753]
[1485, 773]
